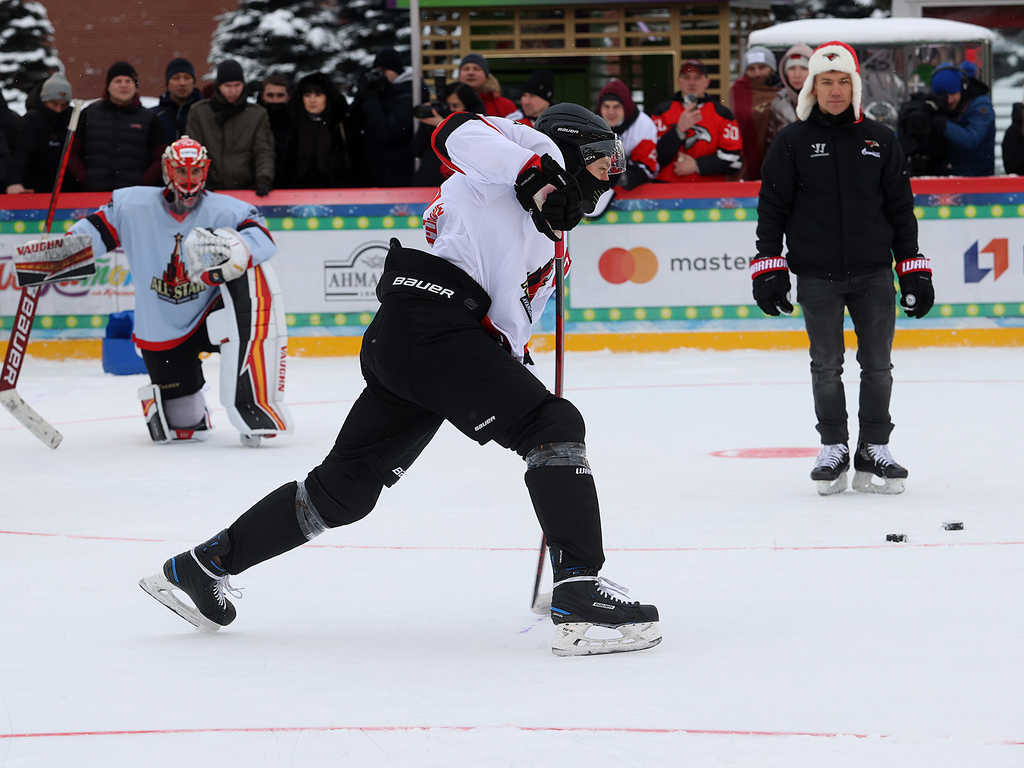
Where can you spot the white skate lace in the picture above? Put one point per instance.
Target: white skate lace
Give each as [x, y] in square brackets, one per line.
[221, 585]
[881, 455]
[832, 455]
[608, 588]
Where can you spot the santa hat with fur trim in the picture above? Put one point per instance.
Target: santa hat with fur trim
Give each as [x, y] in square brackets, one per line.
[830, 57]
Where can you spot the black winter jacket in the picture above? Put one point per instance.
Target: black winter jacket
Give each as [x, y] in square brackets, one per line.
[36, 157]
[174, 116]
[840, 193]
[117, 146]
[387, 132]
[1013, 142]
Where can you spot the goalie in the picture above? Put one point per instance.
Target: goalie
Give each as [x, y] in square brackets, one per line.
[202, 284]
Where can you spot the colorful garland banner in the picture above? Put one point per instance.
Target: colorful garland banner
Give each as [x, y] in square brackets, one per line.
[662, 255]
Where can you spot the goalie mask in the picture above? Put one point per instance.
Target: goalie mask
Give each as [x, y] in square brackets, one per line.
[583, 138]
[185, 168]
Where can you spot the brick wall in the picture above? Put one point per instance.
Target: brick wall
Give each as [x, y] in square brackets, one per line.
[93, 34]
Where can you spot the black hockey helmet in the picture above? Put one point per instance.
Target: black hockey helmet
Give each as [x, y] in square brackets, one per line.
[582, 136]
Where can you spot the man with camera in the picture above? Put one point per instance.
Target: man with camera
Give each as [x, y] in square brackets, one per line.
[698, 138]
[384, 99]
[950, 131]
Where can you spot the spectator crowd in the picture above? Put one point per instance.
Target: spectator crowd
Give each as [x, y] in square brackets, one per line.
[310, 135]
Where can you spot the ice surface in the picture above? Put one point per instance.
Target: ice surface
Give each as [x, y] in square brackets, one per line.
[795, 635]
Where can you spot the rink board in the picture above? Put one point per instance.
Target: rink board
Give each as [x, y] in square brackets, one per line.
[666, 266]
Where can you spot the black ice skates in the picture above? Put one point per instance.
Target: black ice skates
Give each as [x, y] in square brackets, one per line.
[583, 602]
[197, 575]
[873, 461]
[830, 469]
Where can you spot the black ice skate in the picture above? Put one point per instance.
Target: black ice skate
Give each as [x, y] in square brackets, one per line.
[197, 575]
[582, 601]
[830, 469]
[873, 461]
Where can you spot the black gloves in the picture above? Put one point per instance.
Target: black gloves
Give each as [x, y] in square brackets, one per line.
[918, 293]
[770, 289]
[263, 188]
[563, 208]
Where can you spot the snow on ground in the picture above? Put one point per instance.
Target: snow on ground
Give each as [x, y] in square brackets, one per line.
[795, 635]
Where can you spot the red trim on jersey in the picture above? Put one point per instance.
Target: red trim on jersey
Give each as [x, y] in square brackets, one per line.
[110, 227]
[253, 223]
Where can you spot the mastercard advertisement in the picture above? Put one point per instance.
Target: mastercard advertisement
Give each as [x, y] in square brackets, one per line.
[670, 265]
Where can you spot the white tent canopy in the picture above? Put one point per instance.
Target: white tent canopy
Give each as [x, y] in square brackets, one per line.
[859, 32]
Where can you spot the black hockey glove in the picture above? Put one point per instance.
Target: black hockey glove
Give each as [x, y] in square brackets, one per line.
[918, 294]
[263, 188]
[563, 208]
[771, 285]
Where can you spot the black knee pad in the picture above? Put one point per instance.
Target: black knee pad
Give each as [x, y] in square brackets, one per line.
[555, 420]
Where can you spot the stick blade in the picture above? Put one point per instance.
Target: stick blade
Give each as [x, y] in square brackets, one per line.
[32, 421]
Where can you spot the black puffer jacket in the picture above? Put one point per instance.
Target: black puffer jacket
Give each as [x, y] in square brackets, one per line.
[117, 146]
[840, 193]
[318, 151]
[36, 158]
[386, 121]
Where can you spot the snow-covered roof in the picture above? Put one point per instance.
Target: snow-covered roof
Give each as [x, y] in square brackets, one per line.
[901, 31]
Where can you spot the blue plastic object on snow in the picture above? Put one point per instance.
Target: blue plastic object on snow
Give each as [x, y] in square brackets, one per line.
[119, 354]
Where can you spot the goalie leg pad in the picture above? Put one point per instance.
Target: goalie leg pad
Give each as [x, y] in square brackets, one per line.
[253, 338]
[159, 416]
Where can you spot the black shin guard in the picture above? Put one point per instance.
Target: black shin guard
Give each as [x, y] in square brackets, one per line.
[269, 528]
[565, 500]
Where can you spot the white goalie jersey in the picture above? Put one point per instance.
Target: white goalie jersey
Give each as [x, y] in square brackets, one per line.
[514, 265]
[168, 305]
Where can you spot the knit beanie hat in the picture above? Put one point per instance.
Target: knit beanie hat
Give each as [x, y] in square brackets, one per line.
[229, 71]
[178, 66]
[389, 58]
[947, 79]
[830, 57]
[122, 68]
[797, 56]
[55, 88]
[758, 54]
[476, 58]
[542, 84]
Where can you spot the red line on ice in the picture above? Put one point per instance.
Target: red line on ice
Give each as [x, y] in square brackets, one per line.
[409, 728]
[889, 545]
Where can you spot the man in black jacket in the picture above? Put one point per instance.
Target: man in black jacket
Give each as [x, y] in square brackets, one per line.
[836, 186]
[384, 106]
[181, 94]
[119, 142]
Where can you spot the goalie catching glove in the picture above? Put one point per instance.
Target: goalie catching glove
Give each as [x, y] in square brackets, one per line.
[561, 209]
[214, 257]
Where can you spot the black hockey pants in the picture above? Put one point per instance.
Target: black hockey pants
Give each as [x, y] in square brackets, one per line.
[427, 360]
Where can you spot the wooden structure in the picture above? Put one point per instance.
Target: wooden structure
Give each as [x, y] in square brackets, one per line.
[585, 44]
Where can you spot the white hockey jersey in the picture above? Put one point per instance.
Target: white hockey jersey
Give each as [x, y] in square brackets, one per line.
[168, 306]
[477, 224]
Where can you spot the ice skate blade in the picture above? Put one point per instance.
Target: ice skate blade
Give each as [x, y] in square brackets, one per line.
[542, 607]
[571, 639]
[864, 482]
[249, 441]
[830, 487]
[163, 591]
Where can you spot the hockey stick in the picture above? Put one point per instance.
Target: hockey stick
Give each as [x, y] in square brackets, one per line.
[559, 370]
[17, 344]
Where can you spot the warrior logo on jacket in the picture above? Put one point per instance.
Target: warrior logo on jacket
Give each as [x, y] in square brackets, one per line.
[173, 285]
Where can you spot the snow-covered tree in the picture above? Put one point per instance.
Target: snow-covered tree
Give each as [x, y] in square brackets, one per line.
[297, 37]
[27, 55]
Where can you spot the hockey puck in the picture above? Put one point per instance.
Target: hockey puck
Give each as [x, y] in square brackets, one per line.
[953, 525]
[899, 537]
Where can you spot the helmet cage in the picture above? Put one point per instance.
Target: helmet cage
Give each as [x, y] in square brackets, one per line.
[190, 154]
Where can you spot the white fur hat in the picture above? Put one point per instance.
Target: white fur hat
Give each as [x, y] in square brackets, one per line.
[830, 57]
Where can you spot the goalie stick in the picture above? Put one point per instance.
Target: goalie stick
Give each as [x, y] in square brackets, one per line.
[17, 344]
[541, 603]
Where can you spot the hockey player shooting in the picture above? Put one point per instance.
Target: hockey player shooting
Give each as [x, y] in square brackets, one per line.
[449, 343]
[201, 285]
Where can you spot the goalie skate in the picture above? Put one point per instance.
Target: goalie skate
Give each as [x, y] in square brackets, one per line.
[593, 617]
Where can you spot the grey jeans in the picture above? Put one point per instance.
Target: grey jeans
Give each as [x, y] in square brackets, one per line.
[871, 300]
